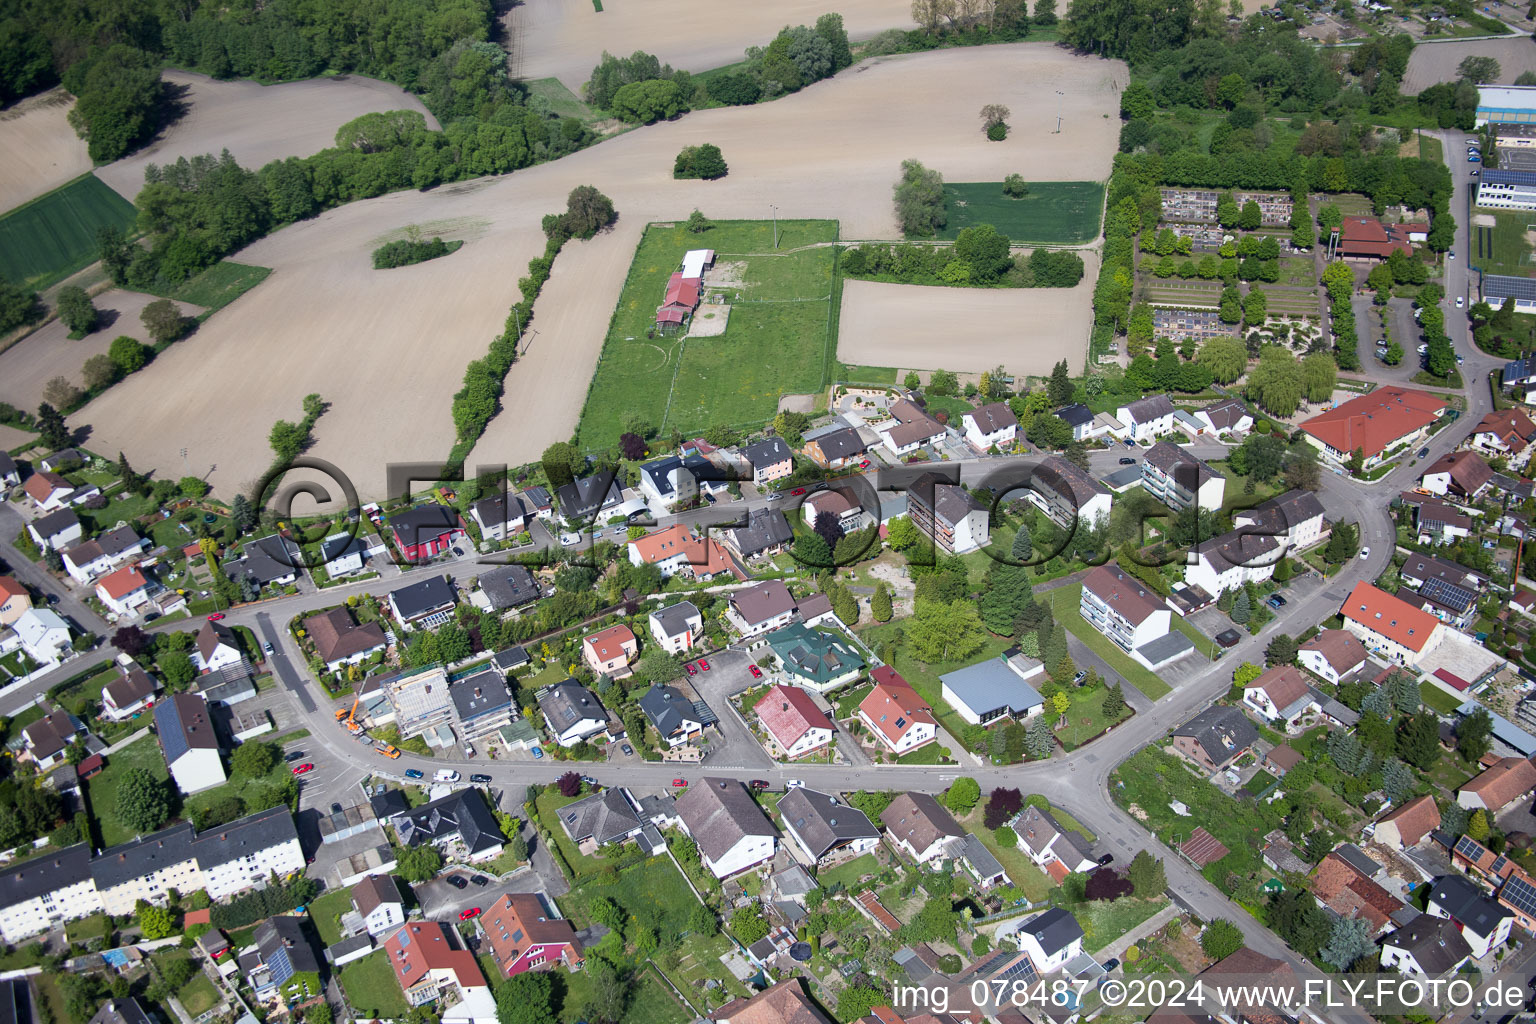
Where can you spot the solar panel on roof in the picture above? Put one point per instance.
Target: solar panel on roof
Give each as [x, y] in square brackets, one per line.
[1498, 865]
[1023, 969]
[1469, 847]
[1501, 286]
[1500, 176]
[1448, 593]
[996, 962]
[1520, 894]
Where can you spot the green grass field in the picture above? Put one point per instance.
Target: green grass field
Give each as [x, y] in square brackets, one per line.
[777, 340]
[1430, 149]
[219, 285]
[1053, 213]
[1503, 248]
[653, 890]
[560, 99]
[854, 374]
[55, 235]
[371, 986]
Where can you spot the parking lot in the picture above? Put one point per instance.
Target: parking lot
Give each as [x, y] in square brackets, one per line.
[730, 674]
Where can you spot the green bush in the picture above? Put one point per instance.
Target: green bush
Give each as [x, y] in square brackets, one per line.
[703, 161]
[998, 132]
[404, 252]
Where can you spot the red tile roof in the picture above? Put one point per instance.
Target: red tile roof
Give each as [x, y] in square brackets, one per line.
[420, 947]
[1349, 893]
[1512, 426]
[683, 291]
[610, 643]
[893, 700]
[1506, 781]
[10, 588]
[1367, 236]
[1284, 684]
[1390, 616]
[123, 582]
[788, 712]
[43, 483]
[1415, 819]
[1374, 422]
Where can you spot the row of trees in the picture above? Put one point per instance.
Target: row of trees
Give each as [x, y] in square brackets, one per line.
[979, 256]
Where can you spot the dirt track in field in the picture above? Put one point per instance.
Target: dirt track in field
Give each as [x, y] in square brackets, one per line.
[258, 123]
[1436, 62]
[41, 150]
[388, 348]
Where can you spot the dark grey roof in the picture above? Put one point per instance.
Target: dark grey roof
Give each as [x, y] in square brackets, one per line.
[1436, 943]
[1166, 647]
[1239, 548]
[1220, 729]
[479, 694]
[462, 813]
[1075, 415]
[55, 522]
[1054, 930]
[43, 875]
[388, 804]
[1067, 480]
[423, 523]
[1145, 410]
[1358, 859]
[822, 821]
[568, 702]
[511, 658]
[1428, 567]
[768, 452]
[1226, 413]
[675, 619]
[981, 858]
[1500, 287]
[719, 813]
[500, 509]
[944, 501]
[587, 495]
[183, 724]
[62, 457]
[289, 932]
[666, 707]
[113, 1011]
[766, 528]
[266, 559]
[509, 586]
[1467, 905]
[340, 950]
[604, 817]
[1187, 471]
[241, 838]
[420, 598]
[7, 464]
[535, 498]
[841, 444]
[341, 544]
[659, 472]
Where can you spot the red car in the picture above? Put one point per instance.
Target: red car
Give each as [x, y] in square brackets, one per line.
[215, 617]
[703, 665]
[757, 673]
[679, 782]
[797, 491]
[690, 669]
[303, 769]
[467, 914]
[864, 464]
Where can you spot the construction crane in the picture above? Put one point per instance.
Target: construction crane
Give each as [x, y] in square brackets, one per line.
[348, 716]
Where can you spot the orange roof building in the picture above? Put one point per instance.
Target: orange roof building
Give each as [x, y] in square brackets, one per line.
[610, 651]
[1385, 418]
[676, 551]
[1409, 824]
[1506, 781]
[523, 937]
[429, 965]
[795, 724]
[895, 715]
[1390, 627]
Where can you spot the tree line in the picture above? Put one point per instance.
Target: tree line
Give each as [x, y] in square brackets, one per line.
[980, 257]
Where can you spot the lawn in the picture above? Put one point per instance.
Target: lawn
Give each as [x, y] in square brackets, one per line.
[925, 678]
[700, 962]
[198, 995]
[371, 986]
[102, 789]
[54, 235]
[881, 375]
[1105, 921]
[848, 873]
[1502, 249]
[1065, 602]
[219, 285]
[1030, 880]
[549, 803]
[778, 339]
[1430, 149]
[1052, 213]
[86, 690]
[326, 911]
[1438, 699]
[1086, 718]
[1297, 271]
[560, 99]
[17, 663]
[653, 891]
[651, 1001]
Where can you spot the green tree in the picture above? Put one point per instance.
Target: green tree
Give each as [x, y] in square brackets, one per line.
[99, 372]
[1221, 939]
[748, 924]
[1114, 702]
[962, 795]
[985, 250]
[1225, 357]
[526, 998]
[1472, 735]
[143, 802]
[1281, 650]
[1478, 70]
[163, 320]
[880, 603]
[1242, 608]
[856, 1001]
[1349, 940]
[253, 759]
[1023, 545]
[1060, 387]
[1015, 187]
[1147, 875]
[76, 310]
[698, 223]
[703, 161]
[418, 863]
[919, 197]
[1038, 739]
[154, 922]
[1004, 597]
[1477, 825]
[128, 353]
[945, 632]
[561, 462]
[1418, 741]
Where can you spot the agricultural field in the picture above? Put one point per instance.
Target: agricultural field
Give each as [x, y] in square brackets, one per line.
[1504, 248]
[828, 152]
[776, 340]
[1052, 213]
[55, 235]
[1434, 63]
[41, 150]
[1184, 294]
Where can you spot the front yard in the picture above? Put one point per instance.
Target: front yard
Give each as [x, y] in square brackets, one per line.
[1086, 718]
[925, 677]
[1065, 602]
[372, 988]
[1105, 921]
[848, 873]
[1030, 880]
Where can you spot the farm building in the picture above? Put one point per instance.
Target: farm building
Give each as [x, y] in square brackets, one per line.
[683, 290]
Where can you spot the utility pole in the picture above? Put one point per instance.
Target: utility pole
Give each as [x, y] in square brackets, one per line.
[775, 210]
[519, 317]
[1059, 97]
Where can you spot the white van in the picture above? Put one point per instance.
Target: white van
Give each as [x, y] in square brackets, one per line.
[446, 775]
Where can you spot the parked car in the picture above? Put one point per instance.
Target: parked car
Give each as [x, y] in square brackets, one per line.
[795, 784]
[459, 552]
[303, 769]
[757, 673]
[472, 912]
[775, 496]
[413, 773]
[864, 464]
[627, 749]
[797, 491]
[589, 780]
[1077, 680]
[1127, 462]
[1365, 552]
[758, 784]
[1276, 601]
[457, 882]
[679, 782]
[479, 879]
[1451, 255]
[1460, 302]
[570, 540]
[266, 649]
[335, 808]
[1473, 172]
[1473, 158]
[1423, 453]
[389, 751]
[479, 779]
[703, 665]
[1111, 964]
[538, 752]
[294, 755]
[446, 775]
[1108, 858]
[690, 669]
[215, 617]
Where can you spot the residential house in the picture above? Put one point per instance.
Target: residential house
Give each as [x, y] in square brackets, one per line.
[538, 503]
[909, 428]
[417, 699]
[973, 855]
[432, 965]
[216, 647]
[767, 533]
[836, 449]
[992, 426]
[46, 741]
[1419, 570]
[814, 659]
[113, 1011]
[1408, 825]
[839, 504]
[824, 829]
[1234, 559]
[1080, 418]
[482, 703]
[1333, 654]
[796, 726]
[426, 604]
[14, 601]
[378, 902]
[1215, 737]
[1348, 891]
[677, 627]
[572, 713]
[1518, 896]
[990, 689]
[189, 743]
[672, 715]
[1390, 627]
[271, 561]
[1428, 945]
[1178, 479]
[1368, 240]
[426, 531]
[1295, 517]
[666, 482]
[1384, 420]
[731, 832]
[953, 517]
[769, 459]
[64, 460]
[288, 963]
[1146, 418]
[10, 476]
[1461, 474]
[610, 652]
[1282, 695]
[505, 587]
[1051, 938]
[1506, 434]
[895, 715]
[757, 609]
[500, 517]
[1066, 494]
[1122, 608]
[676, 551]
[1440, 523]
[460, 821]
[56, 530]
[1503, 783]
[51, 491]
[920, 827]
[1484, 924]
[340, 641]
[43, 634]
[1447, 591]
[524, 937]
[343, 554]
[92, 558]
[1058, 851]
[783, 1003]
[125, 591]
[601, 819]
[1230, 416]
[128, 694]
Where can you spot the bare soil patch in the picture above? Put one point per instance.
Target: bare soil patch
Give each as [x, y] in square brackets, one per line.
[41, 150]
[1025, 330]
[259, 123]
[1432, 63]
[12, 437]
[49, 352]
[565, 40]
[388, 348]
